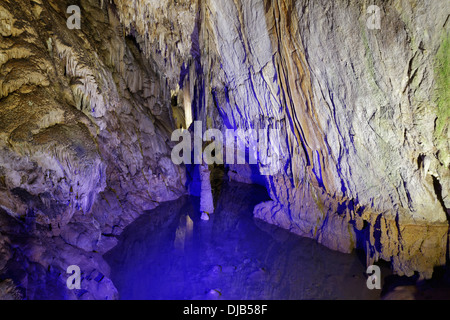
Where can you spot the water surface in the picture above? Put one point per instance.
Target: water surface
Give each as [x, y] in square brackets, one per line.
[170, 253]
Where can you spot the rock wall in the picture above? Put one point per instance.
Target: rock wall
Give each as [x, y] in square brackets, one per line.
[85, 125]
[362, 112]
[368, 167]
[86, 116]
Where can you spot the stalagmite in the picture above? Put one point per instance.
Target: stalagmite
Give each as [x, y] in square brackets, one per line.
[206, 198]
[359, 113]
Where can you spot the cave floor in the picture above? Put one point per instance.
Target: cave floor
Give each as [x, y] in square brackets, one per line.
[169, 253]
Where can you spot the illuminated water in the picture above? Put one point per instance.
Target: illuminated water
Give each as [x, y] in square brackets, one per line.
[169, 253]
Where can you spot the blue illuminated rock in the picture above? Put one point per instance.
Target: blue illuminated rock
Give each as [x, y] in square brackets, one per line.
[358, 96]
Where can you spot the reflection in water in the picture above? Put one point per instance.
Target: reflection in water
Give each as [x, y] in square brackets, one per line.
[183, 234]
[170, 253]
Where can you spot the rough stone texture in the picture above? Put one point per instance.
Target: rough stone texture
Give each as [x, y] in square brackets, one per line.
[85, 123]
[86, 117]
[206, 197]
[363, 113]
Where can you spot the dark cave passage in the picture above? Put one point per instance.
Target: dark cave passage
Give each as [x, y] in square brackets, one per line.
[170, 253]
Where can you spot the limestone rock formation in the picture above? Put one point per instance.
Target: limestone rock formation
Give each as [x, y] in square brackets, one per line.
[86, 116]
[362, 111]
[206, 197]
[85, 123]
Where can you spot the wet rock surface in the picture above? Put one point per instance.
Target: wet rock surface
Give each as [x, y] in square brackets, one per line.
[362, 112]
[85, 127]
[86, 116]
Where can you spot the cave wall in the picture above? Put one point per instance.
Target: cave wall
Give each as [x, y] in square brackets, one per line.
[362, 112]
[86, 117]
[85, 123]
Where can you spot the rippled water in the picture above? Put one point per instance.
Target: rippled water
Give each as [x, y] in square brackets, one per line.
[170, 253]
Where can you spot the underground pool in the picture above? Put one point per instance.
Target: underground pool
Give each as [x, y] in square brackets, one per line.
[169, 253]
